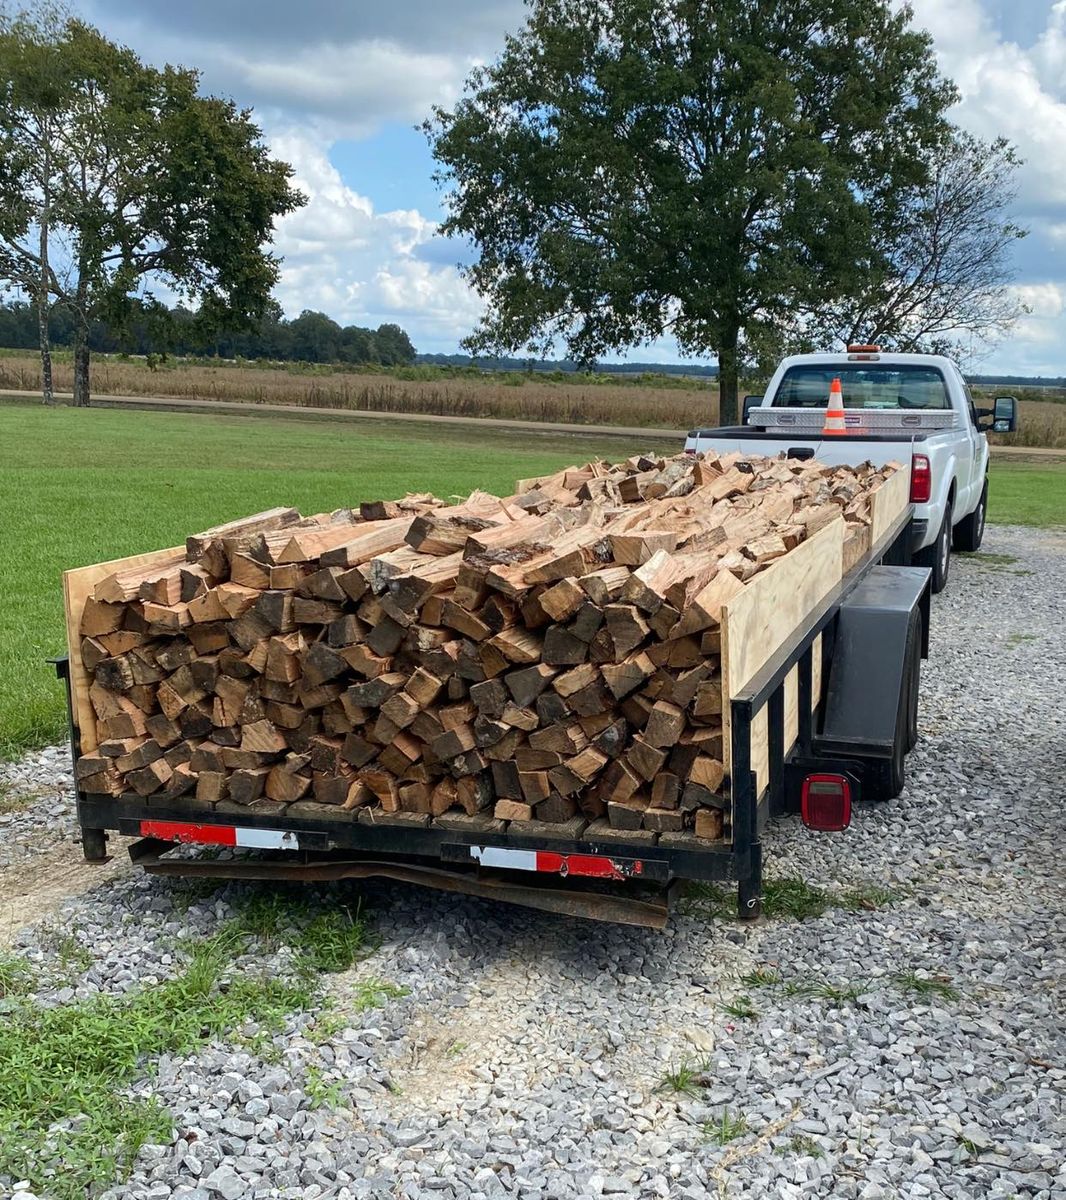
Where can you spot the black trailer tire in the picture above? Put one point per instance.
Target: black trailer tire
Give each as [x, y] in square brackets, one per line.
[937, 557]
[970, 531]
[884, 778]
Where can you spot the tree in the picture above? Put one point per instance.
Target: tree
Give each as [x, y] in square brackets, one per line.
[629, 168]
[944, 270]
[37, 88]
[141, 181]
[315, 337]
[393, 346]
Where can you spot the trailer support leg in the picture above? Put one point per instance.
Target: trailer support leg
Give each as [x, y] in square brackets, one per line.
[749, 891]
[94, 845]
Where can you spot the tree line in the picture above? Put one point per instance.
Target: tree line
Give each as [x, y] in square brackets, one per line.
[311, 337]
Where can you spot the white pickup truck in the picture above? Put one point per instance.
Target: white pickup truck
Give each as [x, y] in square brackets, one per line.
[895, 405]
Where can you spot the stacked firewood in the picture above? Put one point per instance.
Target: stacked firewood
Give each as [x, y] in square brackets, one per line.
[547, 656]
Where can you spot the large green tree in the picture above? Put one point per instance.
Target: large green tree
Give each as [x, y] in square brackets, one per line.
[702, 168]
[117, 177]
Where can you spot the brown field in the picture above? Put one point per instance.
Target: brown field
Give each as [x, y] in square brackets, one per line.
[677, 404]
[1043, 423]
[507, 396]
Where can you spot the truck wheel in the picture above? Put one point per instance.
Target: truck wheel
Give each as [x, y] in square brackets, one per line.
[970, 530]
[937, 557]
[884, 778]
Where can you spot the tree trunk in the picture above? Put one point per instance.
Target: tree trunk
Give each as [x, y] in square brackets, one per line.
[46, 349]
[728, 411]
[44, 282]
[81, 368]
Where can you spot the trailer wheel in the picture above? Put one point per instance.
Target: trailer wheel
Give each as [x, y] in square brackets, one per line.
[937, 557]
[884, 778]
[971, 530]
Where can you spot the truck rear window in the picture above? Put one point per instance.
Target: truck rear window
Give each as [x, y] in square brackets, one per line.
[865, 385]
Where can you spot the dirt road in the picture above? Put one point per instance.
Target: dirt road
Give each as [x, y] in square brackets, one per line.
[309, 413]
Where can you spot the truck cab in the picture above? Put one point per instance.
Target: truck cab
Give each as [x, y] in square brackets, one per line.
[896, 406]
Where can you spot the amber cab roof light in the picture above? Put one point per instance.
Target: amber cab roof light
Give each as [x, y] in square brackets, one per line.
[863, 353]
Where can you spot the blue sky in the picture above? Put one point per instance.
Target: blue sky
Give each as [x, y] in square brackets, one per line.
[339, 86]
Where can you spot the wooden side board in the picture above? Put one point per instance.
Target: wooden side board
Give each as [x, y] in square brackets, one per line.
[758, 622]
[888, 502]
[77, 588]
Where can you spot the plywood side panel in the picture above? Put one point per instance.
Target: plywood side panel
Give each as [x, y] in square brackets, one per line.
[888, 502]
[763, 617]
[77, 588]
[771, 607]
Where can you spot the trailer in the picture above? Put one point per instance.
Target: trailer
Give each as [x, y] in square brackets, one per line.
[820, 659]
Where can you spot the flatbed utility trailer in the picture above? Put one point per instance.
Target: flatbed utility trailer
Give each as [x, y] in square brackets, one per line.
[821, 673]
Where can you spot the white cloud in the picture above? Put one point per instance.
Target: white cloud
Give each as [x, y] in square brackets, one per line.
[1020, 93]
[350, 89]
[1049, 54]
[359, 265]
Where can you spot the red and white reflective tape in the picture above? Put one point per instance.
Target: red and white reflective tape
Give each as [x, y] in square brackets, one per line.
[220, 835]
[593, 866]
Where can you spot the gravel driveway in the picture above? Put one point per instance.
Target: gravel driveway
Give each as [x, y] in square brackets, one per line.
[911, 1046]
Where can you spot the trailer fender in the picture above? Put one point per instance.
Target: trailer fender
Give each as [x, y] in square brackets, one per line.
[870, 675]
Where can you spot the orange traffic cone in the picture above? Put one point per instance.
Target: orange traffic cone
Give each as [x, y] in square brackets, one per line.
[834, 413]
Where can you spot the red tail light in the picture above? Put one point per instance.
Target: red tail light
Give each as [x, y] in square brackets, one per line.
[921, 479]
[826, 803]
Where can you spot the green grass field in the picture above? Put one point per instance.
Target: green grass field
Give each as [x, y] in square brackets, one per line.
[79, 487]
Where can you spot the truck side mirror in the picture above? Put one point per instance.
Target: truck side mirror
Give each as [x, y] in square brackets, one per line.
[1005, 415]
[750, 402]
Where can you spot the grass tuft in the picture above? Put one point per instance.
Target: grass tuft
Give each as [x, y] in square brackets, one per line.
[800, 1143]
[794, 897]
[708, 901]
[12, 801]
[984, 558]
[321, 1092]
[71, 955]
[726, 1129]
[761, 978]
[329, 941]
[925, 986]
[789, 896]
[868, 896]
[16, 976]
[685, 1079]
[741, 1007]
[373, 993]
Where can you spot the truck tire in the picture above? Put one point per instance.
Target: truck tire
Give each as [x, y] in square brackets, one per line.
[884, 778]
[937, 557]
[971, 530]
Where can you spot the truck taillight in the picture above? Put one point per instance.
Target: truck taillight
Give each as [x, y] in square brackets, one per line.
[921, 479]
[826, 803]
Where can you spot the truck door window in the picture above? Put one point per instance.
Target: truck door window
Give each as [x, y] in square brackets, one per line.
[865, 385]
[970, 404]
